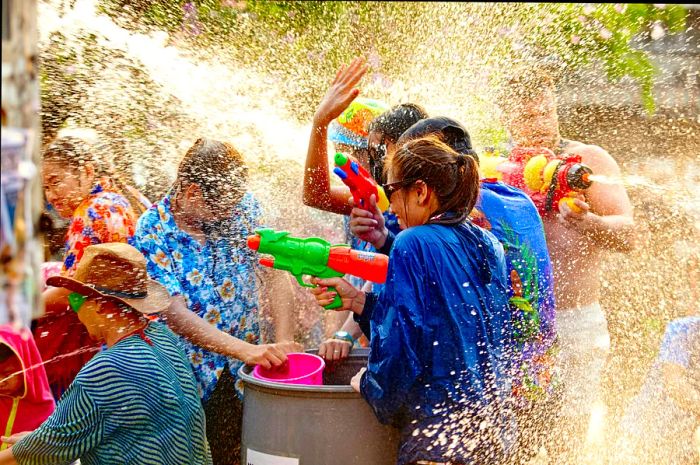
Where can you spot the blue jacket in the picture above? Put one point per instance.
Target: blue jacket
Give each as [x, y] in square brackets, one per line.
[510, 215]
[440, 345]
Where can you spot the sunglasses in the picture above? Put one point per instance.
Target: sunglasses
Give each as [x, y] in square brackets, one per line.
[76, 301]
[390, 189]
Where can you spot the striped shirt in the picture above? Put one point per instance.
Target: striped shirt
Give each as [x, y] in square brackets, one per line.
[131, 404]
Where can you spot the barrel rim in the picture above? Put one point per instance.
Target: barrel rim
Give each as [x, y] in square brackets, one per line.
[245, 373]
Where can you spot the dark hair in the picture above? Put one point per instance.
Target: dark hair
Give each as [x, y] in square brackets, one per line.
[76, 153]
[453, 176]
[447, 130]
[217, 168]
[393, 122]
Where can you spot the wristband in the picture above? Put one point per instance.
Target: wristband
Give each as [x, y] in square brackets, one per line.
[344, 336]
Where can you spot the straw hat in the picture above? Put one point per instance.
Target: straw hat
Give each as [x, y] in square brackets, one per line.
[117, 272]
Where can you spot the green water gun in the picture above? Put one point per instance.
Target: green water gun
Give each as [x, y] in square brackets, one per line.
[316, 257]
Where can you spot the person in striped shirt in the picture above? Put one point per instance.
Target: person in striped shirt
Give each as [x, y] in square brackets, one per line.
[135, 402]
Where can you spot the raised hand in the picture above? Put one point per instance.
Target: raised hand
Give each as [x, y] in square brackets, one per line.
[341, 92]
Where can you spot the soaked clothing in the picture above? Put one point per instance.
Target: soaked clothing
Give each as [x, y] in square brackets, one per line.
[134, 403]
[512, 217]
[655, 428]
[105, 216]
[440, 346]
[224, 412]
[217, 279]
[35, 403]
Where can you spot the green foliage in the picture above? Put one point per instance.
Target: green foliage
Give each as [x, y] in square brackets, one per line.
[579, 34]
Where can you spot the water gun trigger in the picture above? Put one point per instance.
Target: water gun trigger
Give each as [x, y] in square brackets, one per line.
[337, 301]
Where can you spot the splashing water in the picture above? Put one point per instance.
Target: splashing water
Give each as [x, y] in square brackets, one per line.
[448, 71]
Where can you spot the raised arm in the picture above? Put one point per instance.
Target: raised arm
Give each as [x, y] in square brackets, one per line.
[318, 192]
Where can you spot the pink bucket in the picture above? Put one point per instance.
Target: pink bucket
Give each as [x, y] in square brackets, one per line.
[301, 368]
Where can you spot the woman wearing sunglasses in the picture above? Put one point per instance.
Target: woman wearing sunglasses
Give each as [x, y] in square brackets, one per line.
[136, 401]
[440, 329]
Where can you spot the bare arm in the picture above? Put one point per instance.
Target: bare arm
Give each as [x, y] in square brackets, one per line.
[193, 328]
[606, 216]
[318, 192]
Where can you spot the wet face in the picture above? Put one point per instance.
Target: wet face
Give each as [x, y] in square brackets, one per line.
[65, 187]
[198, 208]
[534, 122]
[412, 204]
[11, 375]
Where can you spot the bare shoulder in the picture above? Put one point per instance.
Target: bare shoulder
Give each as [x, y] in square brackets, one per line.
[594, 156]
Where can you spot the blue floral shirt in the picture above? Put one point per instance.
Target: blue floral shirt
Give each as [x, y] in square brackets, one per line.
[217, 279]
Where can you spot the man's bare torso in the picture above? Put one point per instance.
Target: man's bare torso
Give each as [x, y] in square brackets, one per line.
[576, 259]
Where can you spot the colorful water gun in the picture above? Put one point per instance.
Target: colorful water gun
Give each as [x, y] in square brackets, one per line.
[316, 257]
[361, 184]
[546, 178]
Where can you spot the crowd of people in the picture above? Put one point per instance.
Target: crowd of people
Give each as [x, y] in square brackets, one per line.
[487, 341]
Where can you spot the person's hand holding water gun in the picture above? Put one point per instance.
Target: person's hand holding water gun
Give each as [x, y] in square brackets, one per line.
[327, 289]
[315, 257]
[574, 211]
[369, 225]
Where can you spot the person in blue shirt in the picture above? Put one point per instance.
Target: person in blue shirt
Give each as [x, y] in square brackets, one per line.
[440, 346]
[511, 216]
[133, 403]
[367, 135]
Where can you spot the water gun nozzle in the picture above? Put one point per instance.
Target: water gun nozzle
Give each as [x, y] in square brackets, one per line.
[254, 242]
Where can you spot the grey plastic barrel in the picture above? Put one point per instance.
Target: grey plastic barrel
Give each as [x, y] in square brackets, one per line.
[288, 424]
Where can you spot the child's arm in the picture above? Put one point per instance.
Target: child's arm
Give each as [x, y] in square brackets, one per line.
[318, 192]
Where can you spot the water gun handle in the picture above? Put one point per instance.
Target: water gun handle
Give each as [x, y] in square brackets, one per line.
[337, 301]
[569, 200]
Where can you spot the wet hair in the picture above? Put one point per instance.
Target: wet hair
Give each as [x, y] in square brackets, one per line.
[217, 168]
[76, 153]
[522, 85]
[393, 122]
[447, 130]
[454, 177]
